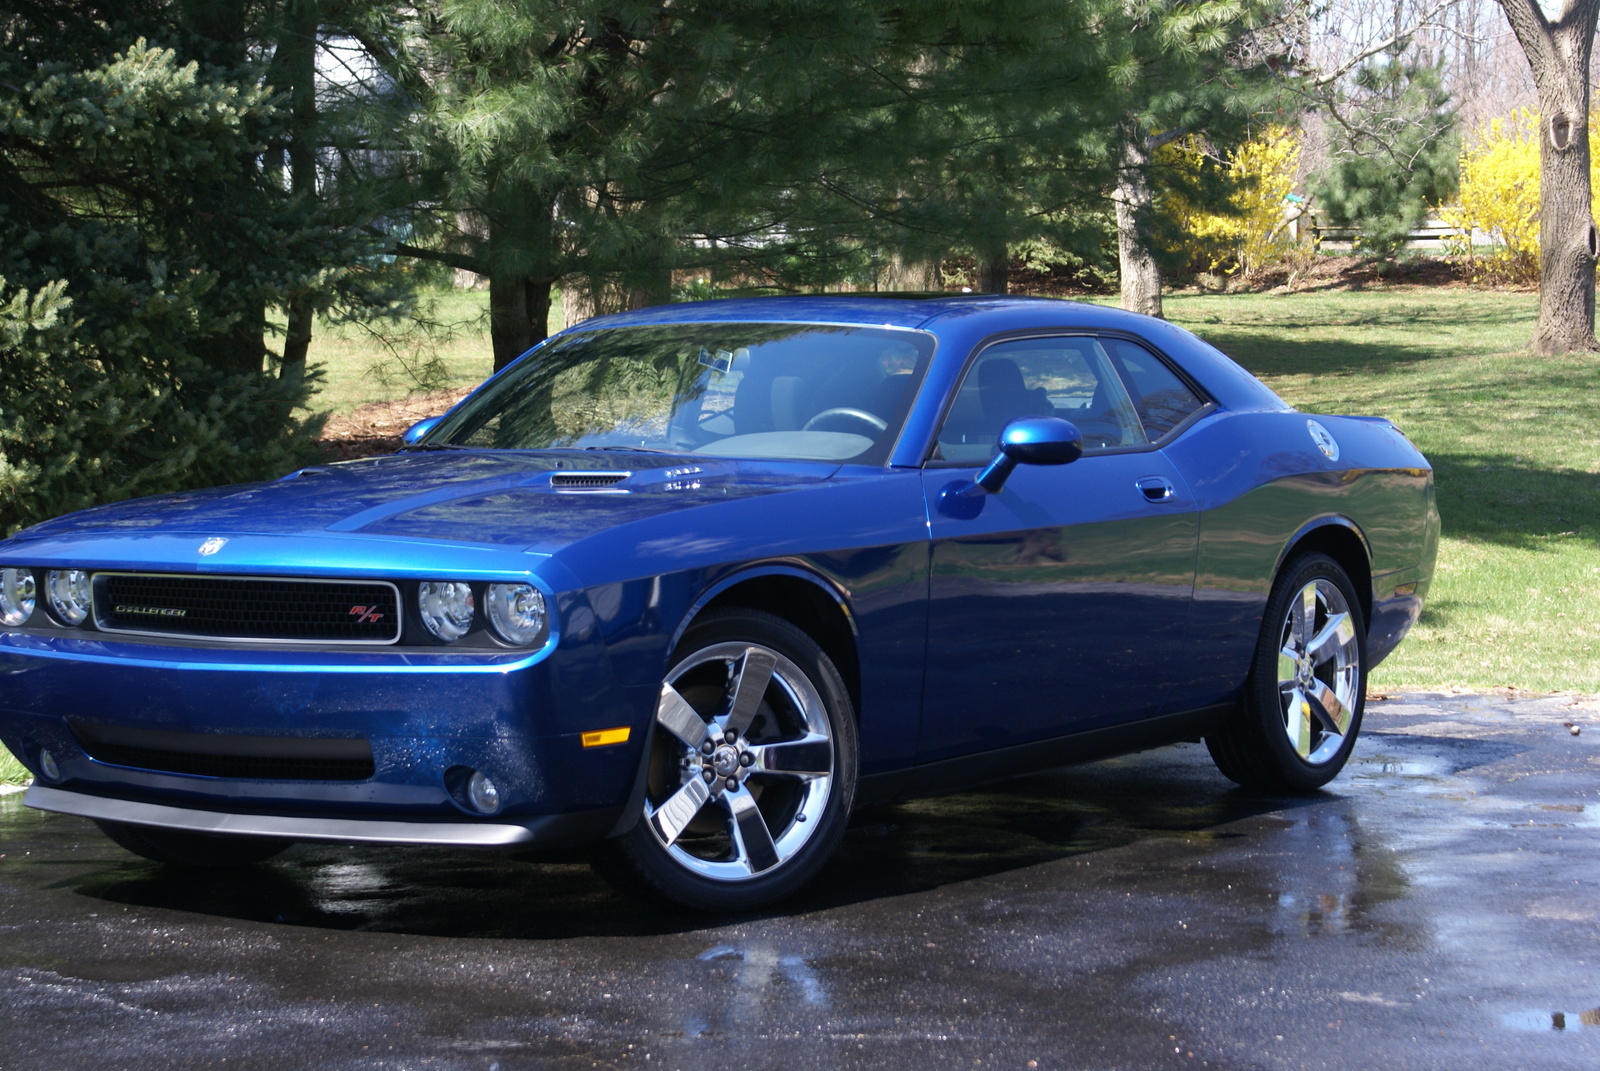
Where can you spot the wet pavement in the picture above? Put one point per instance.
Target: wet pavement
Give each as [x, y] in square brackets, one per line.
[1440, 908]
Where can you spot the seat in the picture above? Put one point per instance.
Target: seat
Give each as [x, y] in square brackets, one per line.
[1004, 395]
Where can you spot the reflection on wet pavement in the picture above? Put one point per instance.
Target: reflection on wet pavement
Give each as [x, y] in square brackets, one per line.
[1130, 913]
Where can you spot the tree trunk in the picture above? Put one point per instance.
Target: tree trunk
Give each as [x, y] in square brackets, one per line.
[1140, 275]
[910, 276]
[521, 267]
[994, 270]
[1558, 54]
[295, 62]
[219, 29]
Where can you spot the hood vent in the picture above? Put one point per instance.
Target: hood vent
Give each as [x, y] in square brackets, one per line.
[586, 481]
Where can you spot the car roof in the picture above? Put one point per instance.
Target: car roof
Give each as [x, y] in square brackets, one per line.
[882, 310]
[970, 317]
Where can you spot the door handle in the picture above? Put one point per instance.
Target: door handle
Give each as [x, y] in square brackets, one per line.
[1156, 488]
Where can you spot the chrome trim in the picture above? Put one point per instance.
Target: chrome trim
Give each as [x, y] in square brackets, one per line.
[400, 609]
[463, 834]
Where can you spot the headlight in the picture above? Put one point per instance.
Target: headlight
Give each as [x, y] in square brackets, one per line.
[516, 611]
[17, 596]
[446, 608]
[69, 594]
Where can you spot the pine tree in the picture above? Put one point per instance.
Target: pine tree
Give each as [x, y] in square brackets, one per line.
[1394, 155]
[141, 242]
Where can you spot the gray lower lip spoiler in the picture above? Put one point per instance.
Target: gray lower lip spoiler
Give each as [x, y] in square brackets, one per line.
[465, 834]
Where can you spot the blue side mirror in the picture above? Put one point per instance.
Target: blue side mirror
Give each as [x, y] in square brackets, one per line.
[1032, 441]
[419, 429]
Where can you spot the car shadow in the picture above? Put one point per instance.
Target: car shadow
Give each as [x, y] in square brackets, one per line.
[887, 852]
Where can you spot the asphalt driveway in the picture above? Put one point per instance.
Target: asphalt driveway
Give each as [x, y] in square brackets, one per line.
[1440, 908]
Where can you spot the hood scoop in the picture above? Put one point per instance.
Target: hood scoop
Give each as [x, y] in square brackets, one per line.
[586, 481]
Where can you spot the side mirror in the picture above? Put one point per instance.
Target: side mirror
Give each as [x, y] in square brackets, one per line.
[419, 429]
[1032, 441]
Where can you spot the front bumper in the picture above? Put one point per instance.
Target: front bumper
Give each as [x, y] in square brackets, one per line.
[544, 829]
[519, 720]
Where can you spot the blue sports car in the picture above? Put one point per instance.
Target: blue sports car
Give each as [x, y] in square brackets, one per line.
[690, 583]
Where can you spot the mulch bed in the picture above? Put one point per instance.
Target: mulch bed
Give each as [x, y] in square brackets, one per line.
[376, 429]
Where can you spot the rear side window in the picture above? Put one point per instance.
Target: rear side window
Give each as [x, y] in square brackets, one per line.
[1163, 400]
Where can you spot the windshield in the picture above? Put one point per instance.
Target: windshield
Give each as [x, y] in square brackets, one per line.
[786, 391]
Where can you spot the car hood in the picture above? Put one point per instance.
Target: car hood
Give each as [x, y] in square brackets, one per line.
[533, 500]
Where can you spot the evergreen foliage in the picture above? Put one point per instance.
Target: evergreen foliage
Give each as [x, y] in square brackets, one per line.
[141, 242]
[1396, 160]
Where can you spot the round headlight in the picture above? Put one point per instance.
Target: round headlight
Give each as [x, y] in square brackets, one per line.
[69, 594]
[18, 596]
[446, 608]
[517, 612]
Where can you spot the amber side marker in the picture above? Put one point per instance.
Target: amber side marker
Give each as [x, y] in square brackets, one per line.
[602, 737]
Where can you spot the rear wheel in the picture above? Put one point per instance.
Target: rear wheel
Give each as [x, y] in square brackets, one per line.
[752, 767]
[1301, 709]
[207, 851]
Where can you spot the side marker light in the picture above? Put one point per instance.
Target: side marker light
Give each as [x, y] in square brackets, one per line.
[603, 737]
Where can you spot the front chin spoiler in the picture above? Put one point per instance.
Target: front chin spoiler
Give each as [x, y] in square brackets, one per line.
[542, 830]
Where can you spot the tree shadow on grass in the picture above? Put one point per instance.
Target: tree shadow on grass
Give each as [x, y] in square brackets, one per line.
[1288, 355]
[1509, 502]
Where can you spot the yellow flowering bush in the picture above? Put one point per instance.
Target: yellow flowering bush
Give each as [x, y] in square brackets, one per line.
[1500, 196]
[1257, 235]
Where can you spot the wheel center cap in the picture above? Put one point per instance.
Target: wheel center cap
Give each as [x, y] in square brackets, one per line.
[725, 760]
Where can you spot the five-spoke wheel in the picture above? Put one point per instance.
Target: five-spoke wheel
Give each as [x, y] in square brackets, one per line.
[752, 765]
[1298, 718]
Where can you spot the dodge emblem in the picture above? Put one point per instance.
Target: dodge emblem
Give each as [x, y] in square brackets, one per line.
[211, 546]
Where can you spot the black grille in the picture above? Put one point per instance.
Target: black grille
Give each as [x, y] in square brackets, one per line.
[248, 608]
[252, 758]
[587, 479]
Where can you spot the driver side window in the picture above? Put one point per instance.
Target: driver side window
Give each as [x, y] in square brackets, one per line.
[1070, 378]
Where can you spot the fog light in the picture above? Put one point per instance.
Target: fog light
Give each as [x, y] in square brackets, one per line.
[48, 766]
[482, 794]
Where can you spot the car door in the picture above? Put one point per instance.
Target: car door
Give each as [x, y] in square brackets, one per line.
[1061, 603]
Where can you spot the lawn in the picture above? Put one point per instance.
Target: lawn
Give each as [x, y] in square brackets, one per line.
[1515, 443]
[1515, 440]
[361, 365]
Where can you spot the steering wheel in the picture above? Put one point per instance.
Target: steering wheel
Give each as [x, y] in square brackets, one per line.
[848, 416]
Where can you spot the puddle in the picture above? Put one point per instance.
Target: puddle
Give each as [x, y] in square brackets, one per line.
[1558, 1021]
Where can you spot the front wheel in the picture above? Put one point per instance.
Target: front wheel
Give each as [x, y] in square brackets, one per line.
[1301, 709]
[752, 767]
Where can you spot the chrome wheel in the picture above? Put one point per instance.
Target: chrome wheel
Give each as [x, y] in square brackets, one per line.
[1319, 671]
[744, 762]
[750, 772]
[1300, 709]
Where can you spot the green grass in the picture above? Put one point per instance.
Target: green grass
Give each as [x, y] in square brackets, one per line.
[12, 772]
[361, 365]
[1515, 443]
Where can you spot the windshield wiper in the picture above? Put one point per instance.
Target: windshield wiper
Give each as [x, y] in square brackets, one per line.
[437, 446]
[636, 449]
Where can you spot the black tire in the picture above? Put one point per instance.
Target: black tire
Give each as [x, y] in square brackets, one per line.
[779, 795]
[201, 851]
[1274, 741]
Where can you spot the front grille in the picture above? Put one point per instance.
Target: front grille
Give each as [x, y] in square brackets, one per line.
[587, 479]
[248, 609]
[251, 758]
